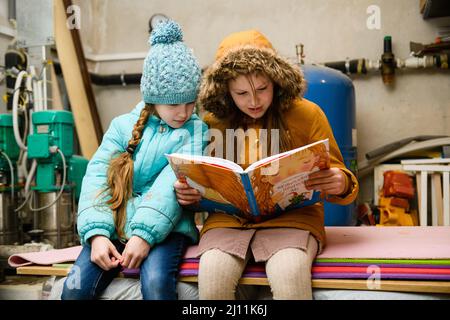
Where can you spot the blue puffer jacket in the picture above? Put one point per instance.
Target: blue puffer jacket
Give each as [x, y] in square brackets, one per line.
[153, 211]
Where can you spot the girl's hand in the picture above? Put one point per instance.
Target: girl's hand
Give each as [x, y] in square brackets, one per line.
[185, 194]
[104, 253]
[136, 250]
[330, 181]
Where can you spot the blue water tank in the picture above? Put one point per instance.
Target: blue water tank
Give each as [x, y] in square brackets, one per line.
[334, 93]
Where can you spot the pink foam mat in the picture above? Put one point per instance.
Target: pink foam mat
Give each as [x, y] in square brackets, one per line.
[44, 257]
[387, 243]
[342, 242]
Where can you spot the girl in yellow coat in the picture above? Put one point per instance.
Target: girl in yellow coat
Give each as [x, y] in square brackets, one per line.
[251, 87]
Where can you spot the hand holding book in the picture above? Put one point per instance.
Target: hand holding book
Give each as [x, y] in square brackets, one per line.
[329, 182]
[265, 189]
[186, 195]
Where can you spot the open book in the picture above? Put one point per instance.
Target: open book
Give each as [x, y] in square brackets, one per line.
[265, 189]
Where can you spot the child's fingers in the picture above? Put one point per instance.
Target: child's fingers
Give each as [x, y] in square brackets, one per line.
[134, 263]
[188, 192]
[125, 259]
[115, 253]
[106, 263]
[321, 174]
[189, 196]
[115, 263]
[186, 200]
[181, 185]
[314, 183]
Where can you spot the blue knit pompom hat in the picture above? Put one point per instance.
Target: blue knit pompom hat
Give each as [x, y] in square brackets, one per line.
[171, 73]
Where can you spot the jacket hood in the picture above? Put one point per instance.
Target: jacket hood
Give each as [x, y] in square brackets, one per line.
[242, 53]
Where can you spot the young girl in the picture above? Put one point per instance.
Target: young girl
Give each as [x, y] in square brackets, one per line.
[128, 214]
[252, 88]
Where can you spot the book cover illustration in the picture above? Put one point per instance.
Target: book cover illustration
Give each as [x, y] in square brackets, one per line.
[265, 189]
[282, 186]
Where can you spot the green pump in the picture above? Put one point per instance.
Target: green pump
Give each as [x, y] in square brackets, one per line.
[58, 177]
[53, 130]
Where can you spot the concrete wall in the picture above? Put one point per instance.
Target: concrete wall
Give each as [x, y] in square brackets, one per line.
[418, 104]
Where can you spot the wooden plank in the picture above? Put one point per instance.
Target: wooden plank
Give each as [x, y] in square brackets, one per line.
[419, 195]
[358, 284]
[348, 284]
[385, 285]
[243, 280]
[421, 183]
[446, 198]
[48, 270]
[425, 161]
[434, 203]
[43, 271]
[423, 213]
[85, 114]
[426, 168]
[436, 194]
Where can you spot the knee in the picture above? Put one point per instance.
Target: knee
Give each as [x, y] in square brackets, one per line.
[219, 274]
[160, 279]
[289, 263]
[159, 285]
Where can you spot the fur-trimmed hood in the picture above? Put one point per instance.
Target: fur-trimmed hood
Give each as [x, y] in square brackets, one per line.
[242, 53]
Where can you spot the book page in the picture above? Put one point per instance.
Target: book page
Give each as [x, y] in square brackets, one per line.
[267, 160]
[205, 159]
[279, 184]
[221, 188]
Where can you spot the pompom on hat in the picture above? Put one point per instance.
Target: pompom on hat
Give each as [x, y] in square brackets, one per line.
[171, 73]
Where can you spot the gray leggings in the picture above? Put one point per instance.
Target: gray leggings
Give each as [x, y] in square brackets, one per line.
[288, 272]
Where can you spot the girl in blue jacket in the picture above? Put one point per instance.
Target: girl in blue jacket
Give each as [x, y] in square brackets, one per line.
[128, 215]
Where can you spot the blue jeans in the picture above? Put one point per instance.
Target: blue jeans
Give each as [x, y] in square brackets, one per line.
[158, 272]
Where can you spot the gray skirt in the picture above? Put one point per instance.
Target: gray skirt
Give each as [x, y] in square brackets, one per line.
[263, 242]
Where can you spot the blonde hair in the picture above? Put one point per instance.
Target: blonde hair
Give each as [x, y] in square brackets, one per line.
[120, 174]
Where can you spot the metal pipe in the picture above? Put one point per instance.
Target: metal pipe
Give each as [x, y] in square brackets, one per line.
[11, 10]
[116, 79]
[115, 56]
[358, 66]
[387, 64]
[110, 79]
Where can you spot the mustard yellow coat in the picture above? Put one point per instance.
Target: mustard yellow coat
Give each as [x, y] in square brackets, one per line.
[306, 123]
[249, 52]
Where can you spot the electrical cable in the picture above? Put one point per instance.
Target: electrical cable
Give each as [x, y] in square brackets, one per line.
[15, 111]
[27, 184]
